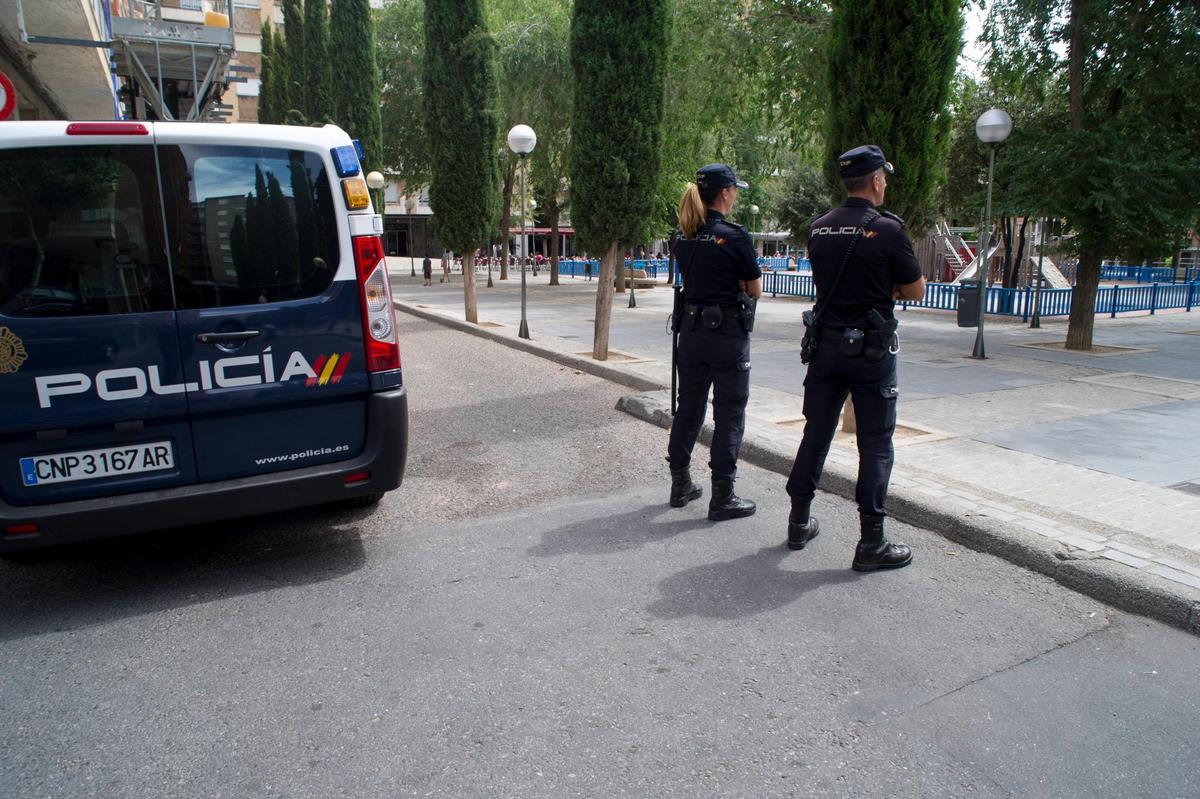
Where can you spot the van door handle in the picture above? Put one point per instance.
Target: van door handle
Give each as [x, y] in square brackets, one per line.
[226, 336]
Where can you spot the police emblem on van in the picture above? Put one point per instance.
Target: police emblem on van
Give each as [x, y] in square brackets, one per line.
[133, 382]
[12, 352]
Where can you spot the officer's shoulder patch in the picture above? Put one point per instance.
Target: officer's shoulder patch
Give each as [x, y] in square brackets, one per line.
[732, 224]
[893, 217]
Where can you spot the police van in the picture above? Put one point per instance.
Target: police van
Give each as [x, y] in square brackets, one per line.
[195, 324]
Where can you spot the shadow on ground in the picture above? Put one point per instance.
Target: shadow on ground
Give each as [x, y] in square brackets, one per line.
[73, 587]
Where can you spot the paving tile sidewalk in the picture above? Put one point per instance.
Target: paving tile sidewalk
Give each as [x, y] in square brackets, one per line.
[1080, 466]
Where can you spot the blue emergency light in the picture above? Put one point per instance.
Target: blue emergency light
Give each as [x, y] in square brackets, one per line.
[362, 156]
[345, 160]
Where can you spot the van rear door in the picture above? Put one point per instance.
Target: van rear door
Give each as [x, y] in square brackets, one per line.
[268, 303]
[91, 378]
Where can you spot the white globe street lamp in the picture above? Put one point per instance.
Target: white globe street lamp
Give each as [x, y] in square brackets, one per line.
[992, 128]
[753, 225]
[522, 140]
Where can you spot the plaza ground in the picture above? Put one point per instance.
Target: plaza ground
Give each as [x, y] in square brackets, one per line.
[1088, 464]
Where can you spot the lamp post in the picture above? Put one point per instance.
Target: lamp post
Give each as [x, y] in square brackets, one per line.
[522, 140]
[376, 181]
[753, 225]
[411, 203]
[1037, 289]
[992, 128]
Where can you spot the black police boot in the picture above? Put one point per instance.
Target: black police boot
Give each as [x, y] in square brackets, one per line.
[727, 505]
[876, 552]
[683, 490]
[802, 528]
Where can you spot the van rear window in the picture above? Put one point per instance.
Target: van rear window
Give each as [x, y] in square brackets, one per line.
[248, 224]
[81, 232]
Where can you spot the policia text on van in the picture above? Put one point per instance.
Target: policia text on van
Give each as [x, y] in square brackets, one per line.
[182, 308]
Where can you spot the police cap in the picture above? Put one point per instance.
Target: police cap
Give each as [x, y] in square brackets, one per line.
[718, 176]
[862, 161]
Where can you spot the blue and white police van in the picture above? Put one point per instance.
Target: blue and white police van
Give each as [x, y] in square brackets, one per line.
[195, 325]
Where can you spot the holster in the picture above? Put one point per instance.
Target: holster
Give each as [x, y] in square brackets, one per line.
[748, 306]
[881, 338]
[808, 344]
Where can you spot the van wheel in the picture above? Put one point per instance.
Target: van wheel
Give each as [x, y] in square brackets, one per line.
[365, 501]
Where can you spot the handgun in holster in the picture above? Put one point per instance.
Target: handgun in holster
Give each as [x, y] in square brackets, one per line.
[748, 306]
[881, 338]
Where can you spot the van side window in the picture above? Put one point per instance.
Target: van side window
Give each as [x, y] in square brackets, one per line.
[248, 224]
[81, 232]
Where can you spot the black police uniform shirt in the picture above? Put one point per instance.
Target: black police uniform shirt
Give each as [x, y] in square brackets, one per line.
[715, 260]
[883, 258]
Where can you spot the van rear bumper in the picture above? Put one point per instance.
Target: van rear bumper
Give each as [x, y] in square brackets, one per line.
[384, 456]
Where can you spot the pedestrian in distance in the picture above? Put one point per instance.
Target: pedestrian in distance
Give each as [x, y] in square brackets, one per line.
[427, 271]
[721, 282]
[445, 267]
[862, 261]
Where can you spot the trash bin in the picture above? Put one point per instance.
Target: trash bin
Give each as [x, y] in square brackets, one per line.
[968, 303]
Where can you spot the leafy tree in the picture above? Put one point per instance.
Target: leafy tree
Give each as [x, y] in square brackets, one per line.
[293, 55]
[1117, 160]
[535, 89]
[891, 63]
[618, 57]
[356, 80]
[400, 48]
[268, 74]
[805, 195]
[460, 114]
[318, 72]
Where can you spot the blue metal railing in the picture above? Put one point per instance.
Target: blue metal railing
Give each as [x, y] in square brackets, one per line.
[1110, 300]
[1138, 274]
[785, 264]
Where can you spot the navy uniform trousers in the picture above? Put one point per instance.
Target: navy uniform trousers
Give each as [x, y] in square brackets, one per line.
[719, 358]
[873, 389]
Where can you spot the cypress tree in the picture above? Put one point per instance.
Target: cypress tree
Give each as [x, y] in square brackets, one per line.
[292, 93]
[891, 63]
[318, 73]
[463, 126]
[356, 80]
[266, 76]
[618, 57]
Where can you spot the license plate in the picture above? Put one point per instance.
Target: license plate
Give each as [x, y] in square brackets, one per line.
[92, 464]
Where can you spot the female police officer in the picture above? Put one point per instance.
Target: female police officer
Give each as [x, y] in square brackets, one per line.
[716, 259]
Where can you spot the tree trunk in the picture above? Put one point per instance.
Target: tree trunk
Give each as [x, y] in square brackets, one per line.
[469, 287]
[604, 302]
[1075, 65]
[506, 218]
[1006, 230]
[1020, 257]
[1083, 301]
[552, 217]
[619, 275]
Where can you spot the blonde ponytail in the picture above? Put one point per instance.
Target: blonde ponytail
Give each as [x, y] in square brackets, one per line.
[691, 211]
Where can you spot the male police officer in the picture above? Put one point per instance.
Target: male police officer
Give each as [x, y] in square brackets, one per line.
[862, 261]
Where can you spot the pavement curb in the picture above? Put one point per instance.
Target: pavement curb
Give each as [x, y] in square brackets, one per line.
[588, 365]
[1112, 583]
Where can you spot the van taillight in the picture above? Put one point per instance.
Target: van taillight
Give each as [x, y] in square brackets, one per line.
[107, 129]
[379, 319]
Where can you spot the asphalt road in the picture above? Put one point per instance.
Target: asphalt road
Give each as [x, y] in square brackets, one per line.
[526, 617]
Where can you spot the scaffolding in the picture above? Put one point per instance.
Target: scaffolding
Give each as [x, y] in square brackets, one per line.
[173, 67]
